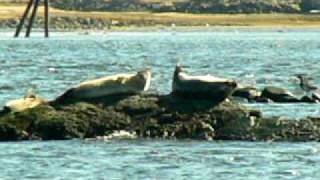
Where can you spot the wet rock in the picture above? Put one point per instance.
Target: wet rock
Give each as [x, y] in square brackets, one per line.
[308, 99]
[316, 96]
[6, 87]
[153, 116]
[194, 129]
[148, 115]
[279, 95]
[271, 129]
[262, 100]
[249, 93]
[8, 132]
[255, 113]
[238, 99]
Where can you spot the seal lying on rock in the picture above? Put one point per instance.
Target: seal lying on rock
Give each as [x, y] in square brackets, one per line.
[119, 84]
[28, 102]
[279, 95]
[208, 87]
[247, 92]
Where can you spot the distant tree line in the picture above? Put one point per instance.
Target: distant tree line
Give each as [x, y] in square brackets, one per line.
[192, 6]
[13, 1]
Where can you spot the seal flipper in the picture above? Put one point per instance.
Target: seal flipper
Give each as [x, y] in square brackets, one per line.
[145, 78]
[66, 97]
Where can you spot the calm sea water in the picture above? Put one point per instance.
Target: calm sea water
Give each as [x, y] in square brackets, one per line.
[253, 57]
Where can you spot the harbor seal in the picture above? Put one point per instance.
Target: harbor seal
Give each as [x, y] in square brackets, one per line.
[207, 87]
[28, 102]
[119, 84]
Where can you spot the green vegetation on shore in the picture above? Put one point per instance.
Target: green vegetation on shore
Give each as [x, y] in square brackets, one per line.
[67, 20]
[192, 6]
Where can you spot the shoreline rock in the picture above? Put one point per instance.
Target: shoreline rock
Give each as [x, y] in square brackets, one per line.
[153, 116]
[272, 94]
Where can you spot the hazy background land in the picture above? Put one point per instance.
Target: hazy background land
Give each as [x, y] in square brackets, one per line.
[104, 14]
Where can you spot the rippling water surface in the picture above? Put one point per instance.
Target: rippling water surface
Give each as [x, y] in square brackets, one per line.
[143, 159]
[253, 57]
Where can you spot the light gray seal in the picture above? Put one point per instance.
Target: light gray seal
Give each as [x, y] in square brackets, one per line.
[28, 102]
[119, 84]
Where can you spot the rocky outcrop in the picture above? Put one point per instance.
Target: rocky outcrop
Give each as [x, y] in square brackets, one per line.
[148, 116]
[271, 129]
[272, 94]
[65, 23]
[152, 116]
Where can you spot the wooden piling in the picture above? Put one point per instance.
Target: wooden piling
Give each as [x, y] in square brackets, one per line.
[35, 5]
[22, 21]
[46, 18]
[32, 18]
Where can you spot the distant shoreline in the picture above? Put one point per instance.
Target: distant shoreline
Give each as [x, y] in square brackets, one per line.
[189, 29]
[75, 20]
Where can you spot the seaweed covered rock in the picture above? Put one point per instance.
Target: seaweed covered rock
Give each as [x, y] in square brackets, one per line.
[8, 132]
[152, 116]
[271, 129]
[147, 115]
